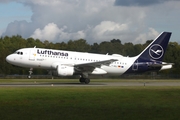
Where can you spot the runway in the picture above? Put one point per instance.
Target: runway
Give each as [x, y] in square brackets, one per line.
[92, 84]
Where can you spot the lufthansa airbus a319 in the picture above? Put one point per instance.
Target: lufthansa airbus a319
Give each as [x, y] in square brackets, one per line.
[68, 63]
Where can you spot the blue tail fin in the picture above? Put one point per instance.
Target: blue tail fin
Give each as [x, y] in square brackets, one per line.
[155, 51]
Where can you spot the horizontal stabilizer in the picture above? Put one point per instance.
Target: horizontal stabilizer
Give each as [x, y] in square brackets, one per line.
[161, 65]
[164, 65]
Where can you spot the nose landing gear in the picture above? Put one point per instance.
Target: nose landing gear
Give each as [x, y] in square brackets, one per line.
[30, 73]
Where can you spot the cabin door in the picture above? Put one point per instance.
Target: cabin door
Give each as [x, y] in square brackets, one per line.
[32, 54]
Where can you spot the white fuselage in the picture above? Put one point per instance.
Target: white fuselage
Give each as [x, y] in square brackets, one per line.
[48, 59]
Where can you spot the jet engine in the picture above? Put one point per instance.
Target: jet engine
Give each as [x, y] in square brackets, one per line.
[63, 70]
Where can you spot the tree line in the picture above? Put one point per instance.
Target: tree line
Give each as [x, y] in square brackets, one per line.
[8, 45]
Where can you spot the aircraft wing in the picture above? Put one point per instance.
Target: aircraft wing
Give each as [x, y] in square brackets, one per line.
[89, 67]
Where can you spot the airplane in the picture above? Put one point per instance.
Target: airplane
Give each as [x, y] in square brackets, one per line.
[69, 63]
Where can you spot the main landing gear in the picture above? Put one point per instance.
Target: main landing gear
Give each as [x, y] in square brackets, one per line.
[84, 78]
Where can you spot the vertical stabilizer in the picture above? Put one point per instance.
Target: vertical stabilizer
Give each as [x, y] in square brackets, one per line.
[156, 50]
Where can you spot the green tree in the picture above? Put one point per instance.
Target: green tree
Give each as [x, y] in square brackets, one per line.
[78, 45]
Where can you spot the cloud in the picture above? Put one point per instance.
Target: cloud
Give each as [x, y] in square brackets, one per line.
[1, 32]
[93, 20]
[18, 27]
[6, 1]
[151, 34]
[139, 2]
[52, 33]
[108, 30]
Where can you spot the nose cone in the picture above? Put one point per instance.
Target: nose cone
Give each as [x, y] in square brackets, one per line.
[9, 59]
[14, 60]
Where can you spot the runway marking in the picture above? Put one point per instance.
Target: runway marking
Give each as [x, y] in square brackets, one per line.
[40, 84]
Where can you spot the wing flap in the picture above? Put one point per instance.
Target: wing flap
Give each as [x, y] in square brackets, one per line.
[89, 67]
[96, 64]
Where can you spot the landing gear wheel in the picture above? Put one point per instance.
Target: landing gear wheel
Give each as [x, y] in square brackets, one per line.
[29, 77]
[84, 78]
[87, 81]
[81, 80]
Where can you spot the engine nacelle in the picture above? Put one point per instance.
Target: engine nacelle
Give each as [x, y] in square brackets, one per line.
[63, 70]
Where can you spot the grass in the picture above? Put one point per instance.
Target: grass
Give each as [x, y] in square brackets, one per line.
[51, 103]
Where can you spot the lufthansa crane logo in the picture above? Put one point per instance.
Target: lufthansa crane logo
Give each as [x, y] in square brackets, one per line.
[156, 51]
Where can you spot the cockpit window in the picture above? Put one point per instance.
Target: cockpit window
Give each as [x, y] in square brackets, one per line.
[19, 53]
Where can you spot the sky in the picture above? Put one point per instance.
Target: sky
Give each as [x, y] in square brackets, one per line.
[93, 20]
